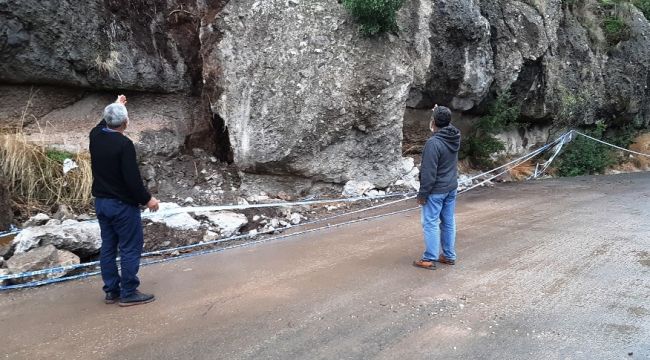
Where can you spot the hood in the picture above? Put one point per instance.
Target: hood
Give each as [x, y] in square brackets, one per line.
[449, 136]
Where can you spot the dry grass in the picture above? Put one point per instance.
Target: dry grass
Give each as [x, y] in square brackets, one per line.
[635, 163]
[109, 64]
[522, 171]
[36, 181]
[641, 144]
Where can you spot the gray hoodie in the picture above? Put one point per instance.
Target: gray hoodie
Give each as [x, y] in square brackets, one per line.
[438, 173]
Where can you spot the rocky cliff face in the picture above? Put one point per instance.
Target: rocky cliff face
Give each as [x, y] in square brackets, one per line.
[545, 52]
[145, 45]
[61, 62]
[294, 90]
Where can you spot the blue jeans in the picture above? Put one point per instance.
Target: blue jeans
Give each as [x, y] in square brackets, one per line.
[439, 225]
[121, 228]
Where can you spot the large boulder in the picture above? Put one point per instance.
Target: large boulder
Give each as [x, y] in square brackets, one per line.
[313, 99]
[40, 258]
[81, 238]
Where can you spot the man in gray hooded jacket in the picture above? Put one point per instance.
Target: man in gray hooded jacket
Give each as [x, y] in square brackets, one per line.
[437, 195]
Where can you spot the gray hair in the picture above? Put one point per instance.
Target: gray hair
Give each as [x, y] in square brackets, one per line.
[115, 115]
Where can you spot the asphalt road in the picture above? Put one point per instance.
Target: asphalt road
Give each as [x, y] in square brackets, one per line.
[555, 269]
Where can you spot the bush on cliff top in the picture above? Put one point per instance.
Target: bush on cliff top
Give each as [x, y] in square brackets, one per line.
[375, 16]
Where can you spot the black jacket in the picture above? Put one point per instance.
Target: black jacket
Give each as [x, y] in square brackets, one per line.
[439, 172]
[115, 170]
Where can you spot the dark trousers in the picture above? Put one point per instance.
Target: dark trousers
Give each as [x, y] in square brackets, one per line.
[121, 228]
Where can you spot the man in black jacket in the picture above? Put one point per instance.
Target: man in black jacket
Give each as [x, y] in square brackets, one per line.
[118, 190]
[437, 194]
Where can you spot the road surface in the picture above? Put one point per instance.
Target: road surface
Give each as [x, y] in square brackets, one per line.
[554, 269]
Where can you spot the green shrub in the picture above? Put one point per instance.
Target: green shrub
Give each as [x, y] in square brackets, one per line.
[572, 107]
[610, 3]
[623, 136]
[481, 144]
[501, 115]
[58, 155]
[584, 156]
[572, 3]
[615, 29]
[479, 148]
[375, 16]
[644, 6]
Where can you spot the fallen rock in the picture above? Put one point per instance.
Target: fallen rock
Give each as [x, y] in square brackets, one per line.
[40, 258]
[6, 249]
[81, 238]
[407, 165]
[4, 272]
[84, 217]
[374, 193]
[179, 221]
[295, 218]
[464, 181]
[274, 223]
[36, 220]
[357, 188]
[63, 213]
[66, 258]
[229, 223]
[210, 236]
[53, 222]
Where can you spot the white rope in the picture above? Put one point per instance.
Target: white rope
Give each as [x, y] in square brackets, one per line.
[538, 151]
[558, 143]
[565, 139]
[609, 144]
[195, 209]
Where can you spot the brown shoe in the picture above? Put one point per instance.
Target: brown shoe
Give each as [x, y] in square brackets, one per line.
[425, 264]
[444, 260]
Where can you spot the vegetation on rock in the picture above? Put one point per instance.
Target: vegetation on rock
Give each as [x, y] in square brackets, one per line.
[584, 156]
[375, 16]
[35, 175]
[481, 145]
